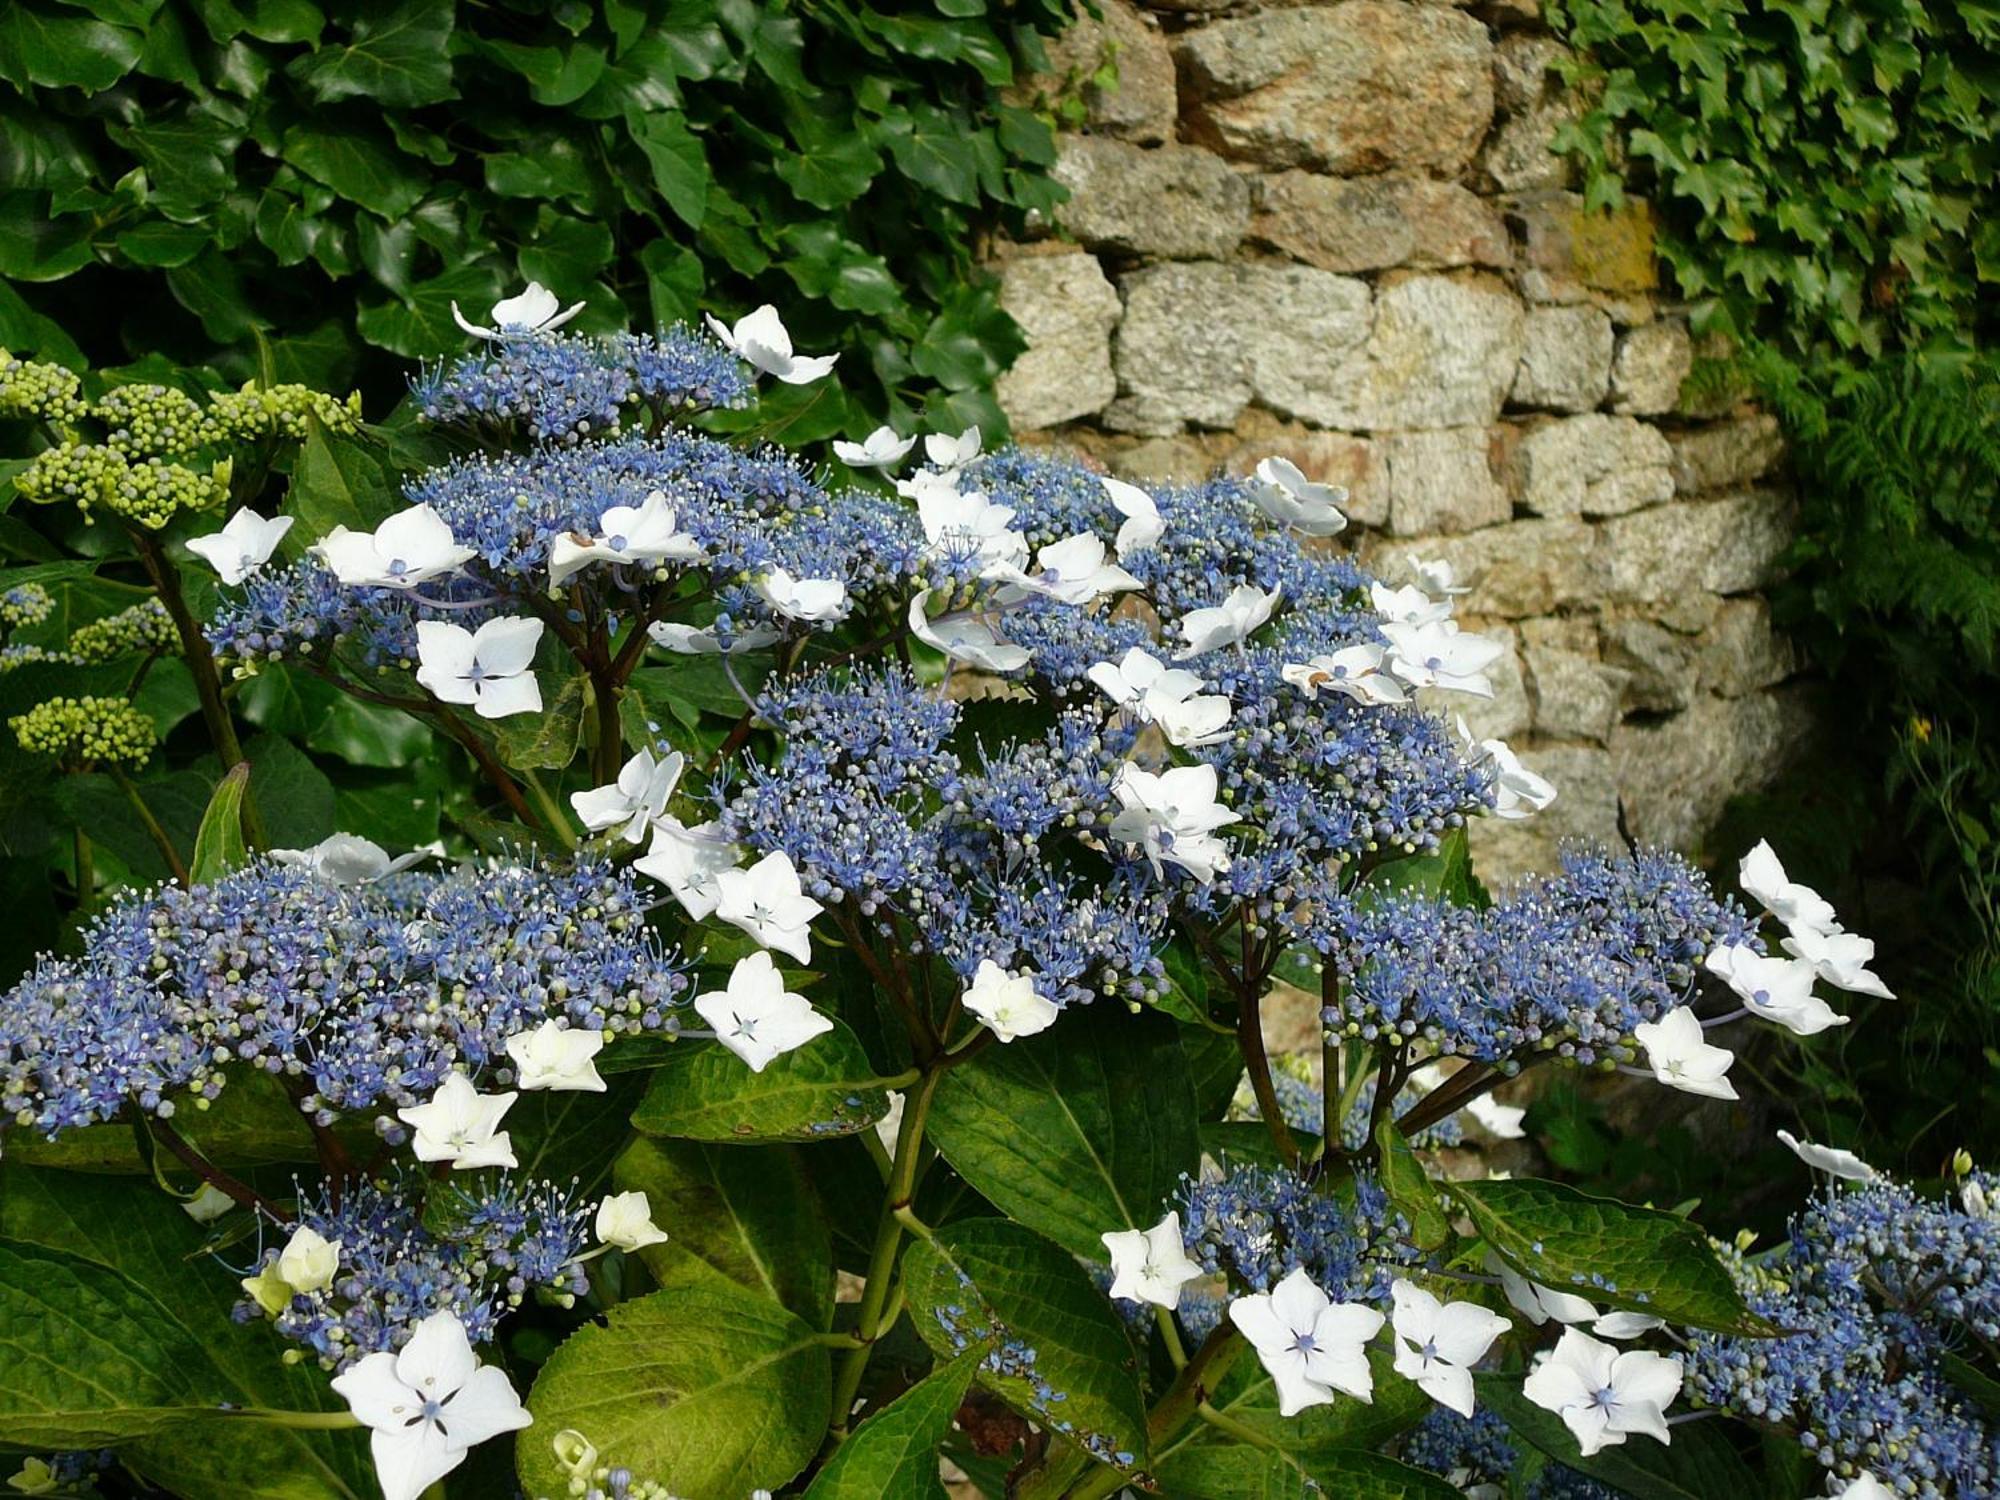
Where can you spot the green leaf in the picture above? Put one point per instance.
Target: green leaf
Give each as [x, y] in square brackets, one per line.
[396, 55]
[702, 1091]
[420, 326]
[360, 167]
[159, 244]
[1649, 1262]
[252, 1124]
[1700, 1464]
[717, 1387]
[55, 50]
[99, 806]
[832, 167]
[739, 1215]
[294, 800]
[1249, 1396]
[680, 170]
[34, 247]
[894, 1453]
[1237, 1472]
[133, 1246]
[1082, 1129]
[1410, 1188]
[547, 740]
[218, 845]
[335, 482]
[988, 1279]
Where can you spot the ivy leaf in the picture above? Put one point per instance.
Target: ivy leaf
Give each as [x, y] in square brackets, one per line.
[420, 326]
[680, 170]
[396, 55]
[34, 247]
[985, 1280]
[359, 167]
[931, 148]
[1564, 1239]
[895, 1452]
[159, 244]
[1082, 1129]
[716, 1386]
[833, 164]
[56, 51]
[702, 1091]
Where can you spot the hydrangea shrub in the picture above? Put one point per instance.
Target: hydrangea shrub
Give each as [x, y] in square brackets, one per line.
[824, 1049]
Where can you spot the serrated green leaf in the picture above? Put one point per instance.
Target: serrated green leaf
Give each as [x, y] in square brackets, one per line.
[218, 844]
[1410, 1188]
[702, 1091]
[1238, 1472]
[893, 1455]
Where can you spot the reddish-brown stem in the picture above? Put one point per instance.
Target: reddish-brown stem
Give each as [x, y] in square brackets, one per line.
[214, 1176]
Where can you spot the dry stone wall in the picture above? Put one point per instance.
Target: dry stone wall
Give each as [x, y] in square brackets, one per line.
[1336, 232]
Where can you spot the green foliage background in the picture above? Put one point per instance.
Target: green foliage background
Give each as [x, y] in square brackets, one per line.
[181, 177]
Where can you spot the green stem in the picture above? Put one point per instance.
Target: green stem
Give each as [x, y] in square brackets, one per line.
[86, 871]
[552, 814]
[1173, 1411]
[305, 1421]
[1243, 1433]
[152, 824]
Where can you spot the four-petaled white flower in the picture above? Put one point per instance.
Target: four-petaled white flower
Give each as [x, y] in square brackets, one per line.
[636, 798]
[1407, 605]
[881, 449]
[1840, 958]
[1311, 1345]
[965, 638]
[244, 544]
[1829, 1159]
[1142, 526]
[1074, 570]
[532, 311]
[1008, 1002]
[687, 861]
[1150, 1265]
[1229, 623]
[309, 1261]
[1604, 1394]
[1283, 493]
[347, 859]
[1173, 815]
[1517, 791]
[811, 600]
[1679, 1054]
[643, 533]
[1149, 690]
[625, 1222]
[428, 1405]
[691, 640]
[1763, 878]
[1356, 671]
[1440, 655]
[767, 902]
[756, 1017]
[760, 340]
[1437, 577]
[968, 525]
[948, 452]
[556, 1057]
[1777, 989]
[487, 667]
[1438, 1343]
[413, 546]
[462, 1126]
[1866, 1486]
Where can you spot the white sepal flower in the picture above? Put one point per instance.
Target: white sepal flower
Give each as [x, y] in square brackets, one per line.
[347, 859]
[244, 544]
[1440, 655]
[687, 860]
[761, 341]
[968, 525]
[1829, 1159]
[558, 1058]
[965, 638]
[625, 1222]
[1074, 571]
[1437, 577]
[1678, 1052]
[643, 533]
[1604, 1394]
[489, 668]
[1438, 1343]
[947, 452]
[532, 311]
[1517, 791]
[1229, 623]
[1283, 493]
[1537, 1303]
[1776, 989]
[462, 1126]
[1008, 1002]
[1408, 605]
[1311, 1345]
[635, 799]
[1142, 526]
[1172, 815]
[1150, 1265]
[1154, 693]
[411, 547]
[811, 600]
[1625, 1325]
[428, 1405]
[881, 449]
[756, 1017]
[767, 902]
[1356, 671]
[1762, 876]
[691, 640]
[1840, 958]
[1865, 1486]
[309, 1261]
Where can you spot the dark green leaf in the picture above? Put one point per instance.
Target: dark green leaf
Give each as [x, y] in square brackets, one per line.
[1237, 1472]
[218, 844]
[894, 1454]
[680, 170]
[704, 1092]
[56, 49]
[396, 55]
[360, 167]
[1410, 1188]
[1700, 1463]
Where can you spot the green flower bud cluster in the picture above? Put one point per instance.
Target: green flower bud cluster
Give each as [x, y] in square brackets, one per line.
[280, 411]
[152, 421]
[29, 388]
[150, 493]
[143, 627]
[85, 730]
[81, 473]
[29, 656]
[25, 604]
